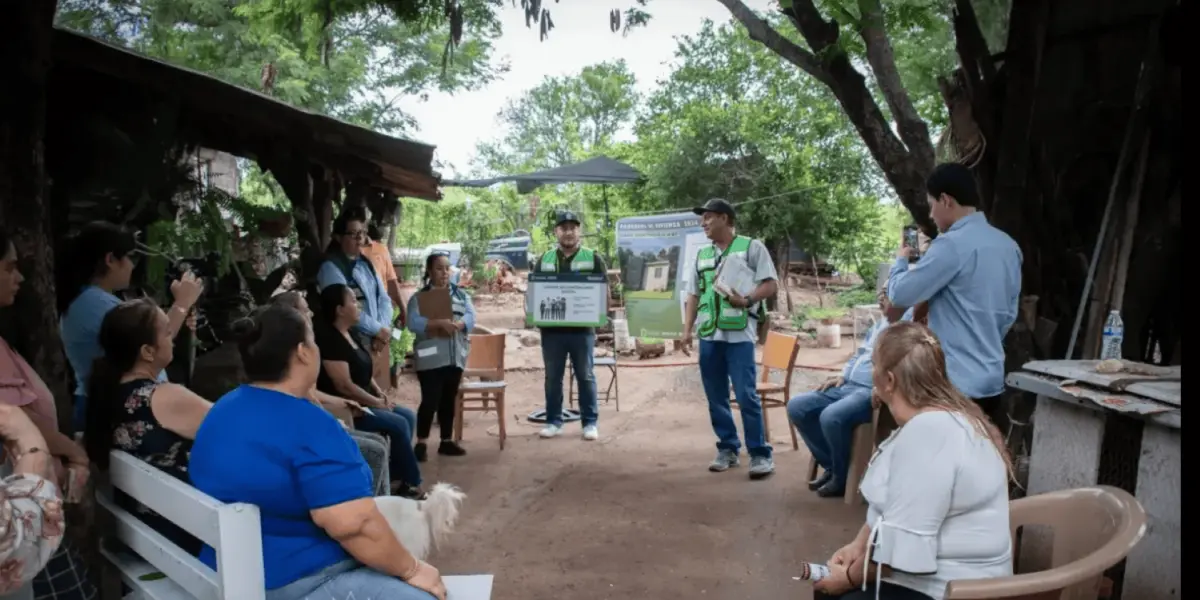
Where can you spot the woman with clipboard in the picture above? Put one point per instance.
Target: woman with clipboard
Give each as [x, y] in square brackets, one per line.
[441, 316]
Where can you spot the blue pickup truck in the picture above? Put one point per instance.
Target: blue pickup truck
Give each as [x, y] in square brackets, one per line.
[512, 249]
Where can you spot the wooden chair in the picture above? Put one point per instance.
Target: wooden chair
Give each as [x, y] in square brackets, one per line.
[485, 361]
[779, 352]
[866, 438]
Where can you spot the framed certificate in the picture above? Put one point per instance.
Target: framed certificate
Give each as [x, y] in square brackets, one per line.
[567, 300]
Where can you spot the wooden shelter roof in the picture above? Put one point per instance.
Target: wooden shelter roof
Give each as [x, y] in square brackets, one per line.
[243, 122]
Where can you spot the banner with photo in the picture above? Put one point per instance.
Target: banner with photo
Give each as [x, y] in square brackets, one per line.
[657, 255]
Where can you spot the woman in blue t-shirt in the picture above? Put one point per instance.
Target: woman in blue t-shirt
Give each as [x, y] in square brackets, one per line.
[99, 262]
[323, 535]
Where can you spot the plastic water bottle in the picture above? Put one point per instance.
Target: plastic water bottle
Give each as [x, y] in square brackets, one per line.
[1114, 336]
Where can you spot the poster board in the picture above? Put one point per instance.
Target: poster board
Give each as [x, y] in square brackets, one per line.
[567, 300]
[657, 256]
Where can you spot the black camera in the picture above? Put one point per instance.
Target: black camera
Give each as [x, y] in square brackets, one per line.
[204, 269]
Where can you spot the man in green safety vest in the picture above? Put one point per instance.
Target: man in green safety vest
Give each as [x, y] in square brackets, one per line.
[577, 343]
[727, 324]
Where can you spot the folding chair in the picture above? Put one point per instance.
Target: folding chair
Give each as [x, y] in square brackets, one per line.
[612, 392]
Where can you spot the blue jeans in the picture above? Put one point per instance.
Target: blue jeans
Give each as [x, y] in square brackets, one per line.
[80, 412]
[721, 363]
[398, 424]
[348, 579]
[579, 346]
[826, 420]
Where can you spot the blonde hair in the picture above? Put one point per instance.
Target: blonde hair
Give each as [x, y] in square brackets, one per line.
[914, 356]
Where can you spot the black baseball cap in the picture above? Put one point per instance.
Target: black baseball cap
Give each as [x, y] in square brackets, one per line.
[566, 216]
[716, 205]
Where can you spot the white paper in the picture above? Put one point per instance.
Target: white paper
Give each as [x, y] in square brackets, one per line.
[468, 587]
[735, 274]
[427, 351]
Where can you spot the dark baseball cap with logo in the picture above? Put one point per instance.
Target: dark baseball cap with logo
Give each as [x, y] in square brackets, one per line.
[566, 216]
[716, 205]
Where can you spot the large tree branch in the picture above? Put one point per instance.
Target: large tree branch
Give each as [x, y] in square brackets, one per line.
[762, 32]
[904, 172]
[882, 59]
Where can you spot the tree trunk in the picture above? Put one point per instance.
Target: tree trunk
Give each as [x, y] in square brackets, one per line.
[25, 39]
[880, 56]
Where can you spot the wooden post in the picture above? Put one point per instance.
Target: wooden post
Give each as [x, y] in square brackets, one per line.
[26, 32]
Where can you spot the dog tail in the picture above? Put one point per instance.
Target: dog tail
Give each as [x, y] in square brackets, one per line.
[441, 509]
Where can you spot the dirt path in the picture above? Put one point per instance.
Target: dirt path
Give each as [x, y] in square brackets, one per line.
[635, 515]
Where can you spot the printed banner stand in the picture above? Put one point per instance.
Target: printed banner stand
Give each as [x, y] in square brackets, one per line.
[657, 256]
[567, 300]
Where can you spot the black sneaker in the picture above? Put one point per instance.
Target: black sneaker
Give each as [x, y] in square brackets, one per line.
[832, 489]
[451, 448]
[411, 492]
[820, 481]
[421, 451]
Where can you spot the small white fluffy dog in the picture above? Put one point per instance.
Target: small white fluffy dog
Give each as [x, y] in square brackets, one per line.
[423, 525]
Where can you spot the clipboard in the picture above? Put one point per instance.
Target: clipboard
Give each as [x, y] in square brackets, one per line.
[435, 304]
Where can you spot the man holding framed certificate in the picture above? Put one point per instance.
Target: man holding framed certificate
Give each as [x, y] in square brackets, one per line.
[568, 299]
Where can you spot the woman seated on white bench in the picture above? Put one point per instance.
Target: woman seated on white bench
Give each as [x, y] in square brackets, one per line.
[266, 444]
[130, 409]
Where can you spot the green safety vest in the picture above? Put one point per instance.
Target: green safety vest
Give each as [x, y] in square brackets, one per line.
[583, 261]
[714, 311]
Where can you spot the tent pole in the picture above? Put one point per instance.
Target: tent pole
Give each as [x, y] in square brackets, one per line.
[607, 220]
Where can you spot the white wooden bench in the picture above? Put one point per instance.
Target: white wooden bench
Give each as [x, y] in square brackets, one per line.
[231, 529]
[157, 569]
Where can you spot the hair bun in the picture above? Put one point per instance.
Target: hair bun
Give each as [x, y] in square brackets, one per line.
[246, 329]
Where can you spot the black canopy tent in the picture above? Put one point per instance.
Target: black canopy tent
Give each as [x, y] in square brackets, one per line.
[600, 169]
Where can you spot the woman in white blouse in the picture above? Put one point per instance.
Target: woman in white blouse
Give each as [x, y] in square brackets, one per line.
[937, 489]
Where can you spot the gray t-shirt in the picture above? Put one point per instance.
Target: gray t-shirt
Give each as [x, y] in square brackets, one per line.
[758, 259]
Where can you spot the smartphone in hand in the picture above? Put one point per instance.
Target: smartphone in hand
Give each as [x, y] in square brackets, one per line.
[912, 240]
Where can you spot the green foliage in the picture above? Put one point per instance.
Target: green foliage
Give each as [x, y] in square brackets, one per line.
[858, 296]
[401, 347]
[564, 119]
[350, 59]
[772, 141]
[821, 313]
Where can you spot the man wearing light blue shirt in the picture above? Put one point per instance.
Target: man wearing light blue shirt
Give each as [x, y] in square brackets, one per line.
[826, 418]
[345, 264]
[971, 277]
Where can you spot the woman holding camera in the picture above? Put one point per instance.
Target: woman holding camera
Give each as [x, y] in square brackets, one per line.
[100, 261]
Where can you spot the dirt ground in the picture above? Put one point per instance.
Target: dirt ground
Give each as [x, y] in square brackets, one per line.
[635, 515]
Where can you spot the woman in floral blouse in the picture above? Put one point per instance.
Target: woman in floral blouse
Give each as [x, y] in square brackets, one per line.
[129, 409]
[31, 515]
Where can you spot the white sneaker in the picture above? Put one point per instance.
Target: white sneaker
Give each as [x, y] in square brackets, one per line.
[551, 431]
[591, 433]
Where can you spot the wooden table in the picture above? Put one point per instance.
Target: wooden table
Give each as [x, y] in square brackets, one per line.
[1085, 434]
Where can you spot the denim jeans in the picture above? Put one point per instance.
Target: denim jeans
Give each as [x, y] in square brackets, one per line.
[721, 363]
[399, 424]
[579, 346]
[348, 579]
[826, 420]
[79, 413]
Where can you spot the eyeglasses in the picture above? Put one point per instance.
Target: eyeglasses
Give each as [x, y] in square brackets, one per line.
[359, 235]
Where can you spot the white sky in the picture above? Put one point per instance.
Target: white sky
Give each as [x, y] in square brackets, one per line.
[455, 123]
